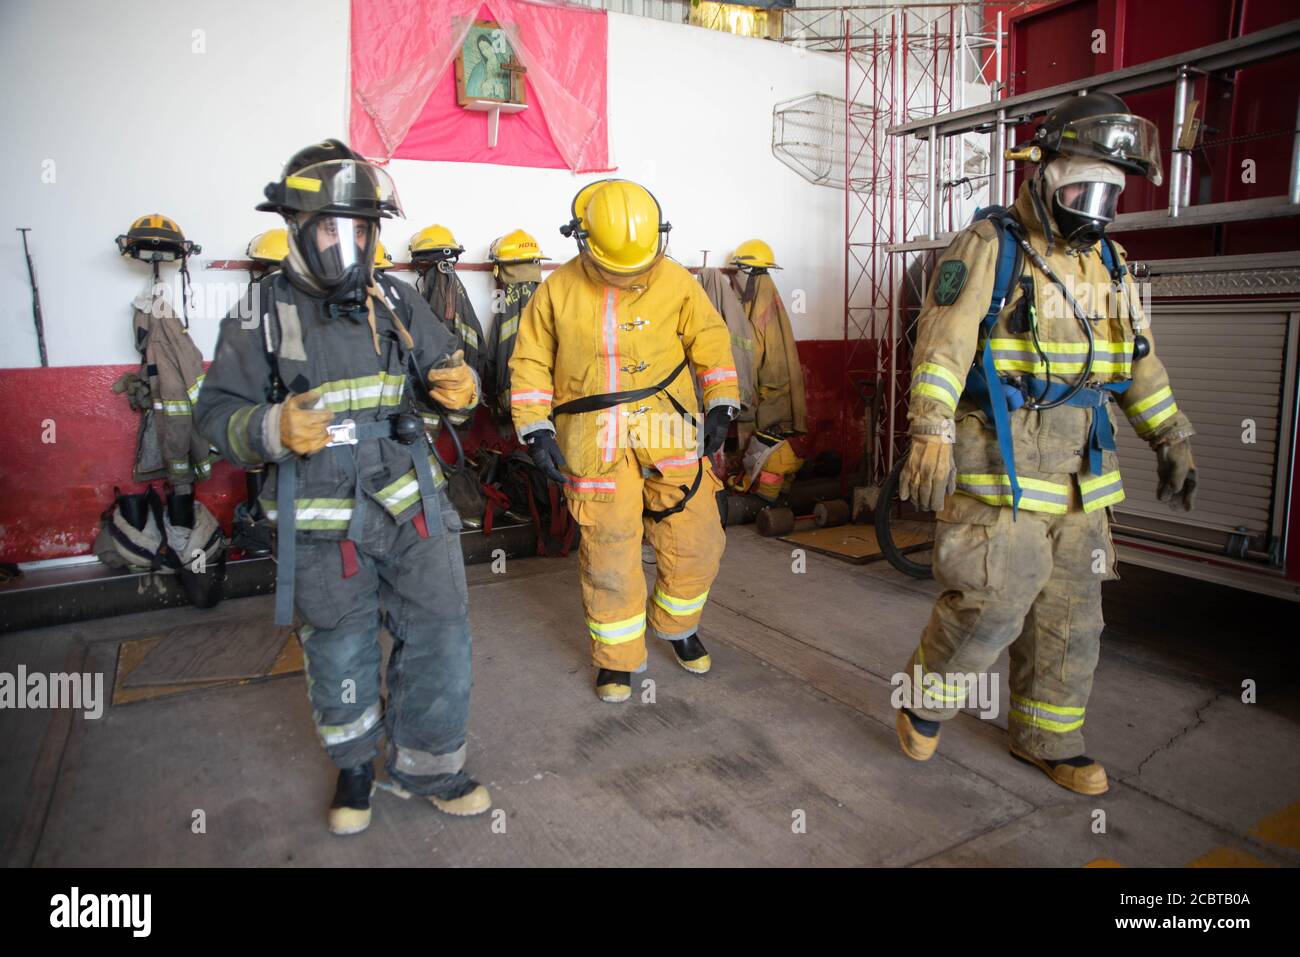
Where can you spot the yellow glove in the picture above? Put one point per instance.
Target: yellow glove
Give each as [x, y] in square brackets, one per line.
[303, 429]
[928, 476]
[452, 384]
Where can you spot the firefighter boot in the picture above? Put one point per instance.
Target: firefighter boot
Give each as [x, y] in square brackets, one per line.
[1081, 774]
[350, 811]
[692, 656]
[918, 737]
[613, 686]
[461, 796]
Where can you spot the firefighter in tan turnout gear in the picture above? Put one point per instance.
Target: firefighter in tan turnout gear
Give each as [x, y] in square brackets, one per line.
[1031, 330]
[603, 391]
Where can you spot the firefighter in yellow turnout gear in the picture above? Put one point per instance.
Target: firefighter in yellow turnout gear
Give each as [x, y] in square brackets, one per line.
[603, 392]
[1022, 542]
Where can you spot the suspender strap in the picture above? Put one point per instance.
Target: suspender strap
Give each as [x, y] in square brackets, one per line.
[687, 495]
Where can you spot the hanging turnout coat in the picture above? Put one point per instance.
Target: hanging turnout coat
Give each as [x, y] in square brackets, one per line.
[782, 405]
[169, 445]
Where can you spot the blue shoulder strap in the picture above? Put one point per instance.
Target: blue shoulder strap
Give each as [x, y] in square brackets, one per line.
[982, 382]
[1110, 259]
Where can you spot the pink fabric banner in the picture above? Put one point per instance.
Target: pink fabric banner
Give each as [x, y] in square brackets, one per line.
[404, 85]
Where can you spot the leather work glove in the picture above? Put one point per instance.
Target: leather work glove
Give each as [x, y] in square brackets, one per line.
[717, 423]
[1177, 472]
[928, 476]
[452, 383]
[546, 454]
[304, 430]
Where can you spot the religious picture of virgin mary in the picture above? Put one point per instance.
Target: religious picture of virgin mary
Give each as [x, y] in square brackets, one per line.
[484, 55]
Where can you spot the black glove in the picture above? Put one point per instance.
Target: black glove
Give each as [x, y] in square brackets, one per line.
[716, 426]
[546, 454]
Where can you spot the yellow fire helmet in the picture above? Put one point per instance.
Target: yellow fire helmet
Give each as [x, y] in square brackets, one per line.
[619, 224]
[434, 240]
[381, 256]
[754, 254]
[269, 247]
[516, 247]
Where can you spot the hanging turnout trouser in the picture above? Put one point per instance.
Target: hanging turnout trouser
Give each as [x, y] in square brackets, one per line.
[688, 548]
[1034, 584]
[417, 574]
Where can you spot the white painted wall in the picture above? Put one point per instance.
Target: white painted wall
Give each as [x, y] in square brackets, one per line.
[135, 121]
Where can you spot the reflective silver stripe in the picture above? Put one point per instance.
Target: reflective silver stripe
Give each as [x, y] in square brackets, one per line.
[1101, 491]
[424, 764]
[1026, 492]
[1039, 715]
[342, 733]
[1140, 418]
[941, 383]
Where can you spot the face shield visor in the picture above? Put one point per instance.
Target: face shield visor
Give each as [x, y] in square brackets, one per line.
[1127, 141]
[339, 252]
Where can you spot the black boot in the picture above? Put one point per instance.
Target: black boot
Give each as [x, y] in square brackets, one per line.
[692, 655]
[350, 810]
[613, 686]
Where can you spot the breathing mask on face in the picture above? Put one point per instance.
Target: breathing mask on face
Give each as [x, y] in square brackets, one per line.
[1083, 196]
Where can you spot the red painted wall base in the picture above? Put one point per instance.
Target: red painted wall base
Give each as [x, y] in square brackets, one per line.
[67, 439]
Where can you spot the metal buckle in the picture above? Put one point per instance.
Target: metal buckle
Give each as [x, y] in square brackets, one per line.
[342, 433]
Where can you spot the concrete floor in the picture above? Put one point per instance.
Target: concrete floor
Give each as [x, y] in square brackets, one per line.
[793, 725]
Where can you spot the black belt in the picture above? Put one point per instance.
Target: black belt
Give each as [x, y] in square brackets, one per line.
[607, 400]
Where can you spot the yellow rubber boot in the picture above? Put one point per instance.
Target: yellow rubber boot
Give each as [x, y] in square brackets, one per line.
[613, 686]
[692, 655]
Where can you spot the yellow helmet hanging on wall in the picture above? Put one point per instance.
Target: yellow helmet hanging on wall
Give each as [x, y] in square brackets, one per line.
[516, 247]
[155, 237]
[754, 254]
[269, 247]
[434, 241]
[381, 256]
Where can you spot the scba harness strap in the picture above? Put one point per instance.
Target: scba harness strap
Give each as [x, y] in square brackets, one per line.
[351, 433]
[1010, 393]
[608, 400]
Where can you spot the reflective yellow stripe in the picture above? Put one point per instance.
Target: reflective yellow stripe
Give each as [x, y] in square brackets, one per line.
[617, 632]
[1102, 490]
[949, 692]
[1040, 714]
[933, 368]
[1020, 355]
[304, 183]
[193, 391]
[237, 434]
[404, 491]
[316, 514]
[509, 327]
[364, 392]
[1147, 414]
[1036, 495]
[679, 606]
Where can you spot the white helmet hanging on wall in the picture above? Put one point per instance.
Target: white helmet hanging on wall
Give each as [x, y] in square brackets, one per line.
[332, 201]
[1085, 148]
